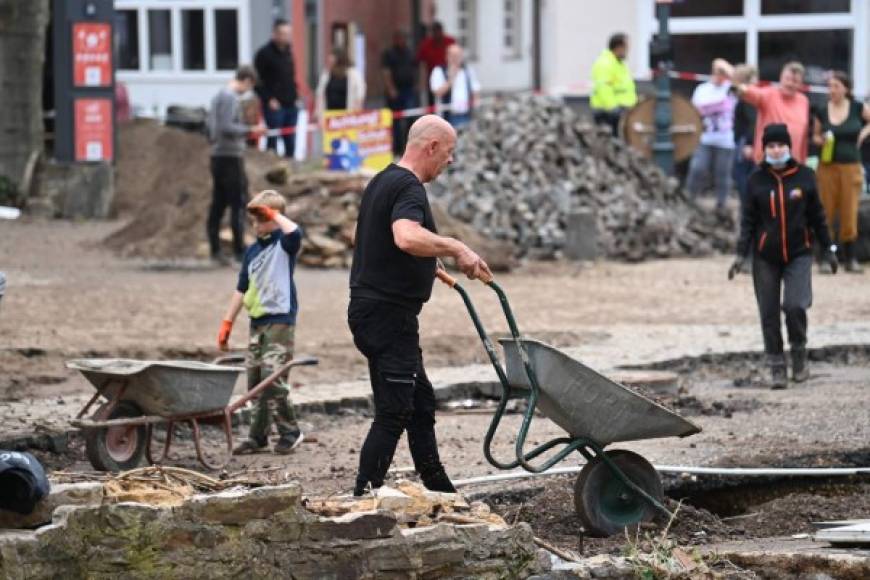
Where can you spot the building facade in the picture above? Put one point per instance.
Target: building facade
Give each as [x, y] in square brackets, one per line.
[180, 52]
[560, 39]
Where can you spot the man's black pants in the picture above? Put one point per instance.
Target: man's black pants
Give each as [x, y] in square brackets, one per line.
[230, 188]
[387, 335]
[792, 281]
[609, 118]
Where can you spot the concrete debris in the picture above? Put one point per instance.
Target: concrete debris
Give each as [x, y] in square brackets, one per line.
[267, 532]
[326, 203]
[528, 163]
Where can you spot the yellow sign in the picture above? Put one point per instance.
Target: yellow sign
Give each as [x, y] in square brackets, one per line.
[354, 139]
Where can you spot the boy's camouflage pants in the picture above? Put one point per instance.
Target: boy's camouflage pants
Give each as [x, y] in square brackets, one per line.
[269, 347]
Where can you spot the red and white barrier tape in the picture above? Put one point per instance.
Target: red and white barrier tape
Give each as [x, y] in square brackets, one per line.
[688, 76]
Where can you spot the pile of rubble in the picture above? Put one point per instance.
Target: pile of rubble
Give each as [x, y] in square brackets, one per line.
[528, 162]
[164, 187]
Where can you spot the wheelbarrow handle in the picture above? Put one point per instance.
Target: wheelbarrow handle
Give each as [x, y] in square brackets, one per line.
[449, 280]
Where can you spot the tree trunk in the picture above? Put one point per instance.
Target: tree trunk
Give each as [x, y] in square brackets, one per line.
[22, 57]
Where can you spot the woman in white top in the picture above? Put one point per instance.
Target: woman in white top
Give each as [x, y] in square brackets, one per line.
[455, 89]
[341, 86]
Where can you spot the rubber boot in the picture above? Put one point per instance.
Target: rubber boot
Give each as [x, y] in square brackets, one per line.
[799, 368]
[778, 371]
[852, 266]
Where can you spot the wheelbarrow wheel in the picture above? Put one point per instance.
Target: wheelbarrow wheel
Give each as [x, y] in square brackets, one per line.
[117, 448]
[605, 504]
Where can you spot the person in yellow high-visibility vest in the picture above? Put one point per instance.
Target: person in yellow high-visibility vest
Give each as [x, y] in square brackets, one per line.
[612, 86]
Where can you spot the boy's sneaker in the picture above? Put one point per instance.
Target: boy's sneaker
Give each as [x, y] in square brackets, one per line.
[249, 446]
[287, 443]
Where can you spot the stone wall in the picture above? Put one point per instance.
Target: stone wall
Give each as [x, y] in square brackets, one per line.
[260, 533]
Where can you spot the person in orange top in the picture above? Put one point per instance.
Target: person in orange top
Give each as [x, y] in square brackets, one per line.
[783, 103]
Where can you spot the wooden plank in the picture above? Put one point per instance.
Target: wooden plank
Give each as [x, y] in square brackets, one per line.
[143, 420]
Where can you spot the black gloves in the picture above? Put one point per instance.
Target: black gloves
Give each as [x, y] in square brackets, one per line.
[739, 266]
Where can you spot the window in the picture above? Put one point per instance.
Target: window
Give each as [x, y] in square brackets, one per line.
[818, 50]
[466, 25]
[127, 39]
[512, 28]
[707, 8]
[226, 39]
[160, 40]
[193, 39]
[695, 53]
[803, 6]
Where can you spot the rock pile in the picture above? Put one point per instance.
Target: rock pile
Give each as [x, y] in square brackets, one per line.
[528, 162]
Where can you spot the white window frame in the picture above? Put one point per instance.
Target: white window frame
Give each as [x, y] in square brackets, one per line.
[753, 22]
[470, 34]
[175, 7]
[514, 51]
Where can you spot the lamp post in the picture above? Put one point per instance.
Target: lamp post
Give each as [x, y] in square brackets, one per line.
[661, 57]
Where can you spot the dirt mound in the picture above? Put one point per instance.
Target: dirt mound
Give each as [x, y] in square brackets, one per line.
[164, 184]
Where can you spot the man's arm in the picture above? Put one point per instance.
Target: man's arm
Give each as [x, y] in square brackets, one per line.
[602, 84]
[751, 94]
[261, 65]
[414, 239]
[224, 123]
[439, 84]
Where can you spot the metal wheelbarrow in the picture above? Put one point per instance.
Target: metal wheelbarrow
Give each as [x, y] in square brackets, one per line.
[141, 394]
[614, 489]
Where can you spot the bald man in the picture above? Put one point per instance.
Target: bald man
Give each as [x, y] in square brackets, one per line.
[393, 270]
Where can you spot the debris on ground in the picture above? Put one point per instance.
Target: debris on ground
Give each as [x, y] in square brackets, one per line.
[527, 162]
[164, 187]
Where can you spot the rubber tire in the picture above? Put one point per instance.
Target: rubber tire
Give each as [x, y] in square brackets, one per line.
[95, 441]
[599, 496]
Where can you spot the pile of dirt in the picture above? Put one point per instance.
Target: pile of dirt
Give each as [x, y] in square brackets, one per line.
[164, 186]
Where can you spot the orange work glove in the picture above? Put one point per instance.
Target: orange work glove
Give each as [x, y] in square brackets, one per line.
[224, 334]
[262, 212]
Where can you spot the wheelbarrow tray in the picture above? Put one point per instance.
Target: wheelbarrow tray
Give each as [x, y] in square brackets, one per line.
[587, 404]
[164, 388]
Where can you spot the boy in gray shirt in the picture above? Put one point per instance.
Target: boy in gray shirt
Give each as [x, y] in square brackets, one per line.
[227, 132]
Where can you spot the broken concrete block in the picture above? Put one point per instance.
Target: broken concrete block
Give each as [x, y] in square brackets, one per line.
[392, 499]
[88, 493]
[239, 506]
[353, 526]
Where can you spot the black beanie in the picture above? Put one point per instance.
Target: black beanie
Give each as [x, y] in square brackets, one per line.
[776, 133]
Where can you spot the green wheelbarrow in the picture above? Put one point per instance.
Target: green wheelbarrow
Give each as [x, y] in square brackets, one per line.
[614, 489]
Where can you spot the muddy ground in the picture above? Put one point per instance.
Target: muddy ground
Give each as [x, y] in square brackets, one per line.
[67, 298]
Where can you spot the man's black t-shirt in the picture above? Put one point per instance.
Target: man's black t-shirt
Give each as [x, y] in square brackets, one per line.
[402, 65]
[380, 270]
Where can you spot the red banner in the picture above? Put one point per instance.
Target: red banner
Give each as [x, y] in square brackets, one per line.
[92, 54]
[93, 129]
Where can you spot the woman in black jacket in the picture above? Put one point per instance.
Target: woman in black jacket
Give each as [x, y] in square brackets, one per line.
[781, 217]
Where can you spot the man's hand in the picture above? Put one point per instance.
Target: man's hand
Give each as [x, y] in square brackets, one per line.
[472, 265]
[748, 152]
[262, 212]
[738, 267]
[224, 334]
[274, 104]
[831, 258]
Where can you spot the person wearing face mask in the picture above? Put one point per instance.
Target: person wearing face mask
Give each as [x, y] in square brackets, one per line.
[838, 124]
[782, 103]
[782, 215]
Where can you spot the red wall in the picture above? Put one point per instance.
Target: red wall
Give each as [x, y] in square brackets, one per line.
[377, 19]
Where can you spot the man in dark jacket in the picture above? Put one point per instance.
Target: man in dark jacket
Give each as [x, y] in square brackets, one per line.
[277, 88]
[782, 215]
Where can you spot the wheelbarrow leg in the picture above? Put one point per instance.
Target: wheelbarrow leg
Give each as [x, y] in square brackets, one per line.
[197, 443]
[170, 427]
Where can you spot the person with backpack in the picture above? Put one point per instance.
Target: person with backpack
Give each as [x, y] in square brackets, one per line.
[455, 88]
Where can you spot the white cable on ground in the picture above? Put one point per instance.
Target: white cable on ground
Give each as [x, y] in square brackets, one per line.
[732, 471]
